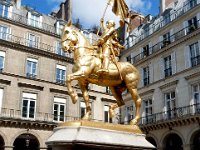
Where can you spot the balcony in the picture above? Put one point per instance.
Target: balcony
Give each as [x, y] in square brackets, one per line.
[165, 43]
[165, 21]
[174, 117]
[16, 18]
[40, 119]
[29, 44]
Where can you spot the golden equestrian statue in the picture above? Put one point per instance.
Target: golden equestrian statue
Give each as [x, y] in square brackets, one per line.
[87, 64]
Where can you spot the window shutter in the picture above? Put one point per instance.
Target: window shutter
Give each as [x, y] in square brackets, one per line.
[29, 18]
[187, 57]
[185, 26]
[161, 68]
[173, 56]
[151, 73]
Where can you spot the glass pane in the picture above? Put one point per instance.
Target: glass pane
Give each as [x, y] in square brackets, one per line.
[6, 11]
[82, 111]
[1, 62]
[106, 116]
[32, 109]
[24, 108]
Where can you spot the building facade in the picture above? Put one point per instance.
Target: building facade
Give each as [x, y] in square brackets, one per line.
[33, 68]
[166, 51]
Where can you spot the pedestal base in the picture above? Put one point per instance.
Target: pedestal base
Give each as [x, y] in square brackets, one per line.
[88, 135]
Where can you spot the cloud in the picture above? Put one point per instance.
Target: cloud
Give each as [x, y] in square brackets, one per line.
[90, 11]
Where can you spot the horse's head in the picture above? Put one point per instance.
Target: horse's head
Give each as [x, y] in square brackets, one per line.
[69, 37]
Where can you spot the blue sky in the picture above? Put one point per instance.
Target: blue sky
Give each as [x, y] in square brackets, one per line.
[91, 13]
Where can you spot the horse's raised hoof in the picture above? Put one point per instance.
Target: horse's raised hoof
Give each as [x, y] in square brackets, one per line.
[133, 122]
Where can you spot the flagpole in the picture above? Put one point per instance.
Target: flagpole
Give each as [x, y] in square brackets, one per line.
[104, 13]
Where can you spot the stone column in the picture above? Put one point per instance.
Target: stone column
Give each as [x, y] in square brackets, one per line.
[8, 147]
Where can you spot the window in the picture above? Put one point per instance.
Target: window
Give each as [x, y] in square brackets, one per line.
[4, 11]
[106, 115]
[59, 109]
[146, 51]
[192, 24]
[83, 109]
[34, 19]
[4, 32]
[28, 105]
[196, 97]
[129, 113]
[108, 91]
[192, 3]
[167, 66]
[31, 68]
[59, 49]
[166, 18]
[146, 75]
[33, 40]
[170, 104]
[148, 111]
[195, 54]
[128, 59]
[60, 74]
[59, 27]
[2, 57]
[166, 39]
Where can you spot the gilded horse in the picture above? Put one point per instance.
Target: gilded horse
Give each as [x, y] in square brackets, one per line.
[85, 71]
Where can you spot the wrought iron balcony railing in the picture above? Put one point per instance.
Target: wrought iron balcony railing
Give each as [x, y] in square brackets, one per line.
[165, 21]
[173, 114]
[29, 22]
[160, 45]
[37, 116]
[30, 43]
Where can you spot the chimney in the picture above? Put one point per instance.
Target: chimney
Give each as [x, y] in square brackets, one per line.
[162, 6]
[18, 3]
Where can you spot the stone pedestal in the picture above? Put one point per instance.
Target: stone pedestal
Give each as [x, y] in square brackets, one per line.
[88, 135]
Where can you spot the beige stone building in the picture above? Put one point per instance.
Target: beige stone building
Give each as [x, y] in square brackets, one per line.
[166, 51]
[33, 67]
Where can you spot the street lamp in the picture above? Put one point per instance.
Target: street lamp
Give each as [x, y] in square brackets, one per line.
[27, 140]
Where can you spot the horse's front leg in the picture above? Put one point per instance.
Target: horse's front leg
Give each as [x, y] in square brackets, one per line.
[70, 78]
[84, 88]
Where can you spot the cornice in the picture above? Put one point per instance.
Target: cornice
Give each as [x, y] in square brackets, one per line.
[35, 51]
[32, 86]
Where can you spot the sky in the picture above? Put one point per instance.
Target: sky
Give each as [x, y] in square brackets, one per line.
[90, 12]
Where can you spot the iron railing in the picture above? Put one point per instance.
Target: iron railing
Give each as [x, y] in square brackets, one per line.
[166, 20]
[160, 45]
[30, 43]
[30, 22]
[7, 113]
[172, 114]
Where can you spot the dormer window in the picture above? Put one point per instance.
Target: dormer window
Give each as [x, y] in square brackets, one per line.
[59, 26]
[5, 9]
[34, 19]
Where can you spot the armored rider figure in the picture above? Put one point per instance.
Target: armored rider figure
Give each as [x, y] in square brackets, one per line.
[108, 43]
